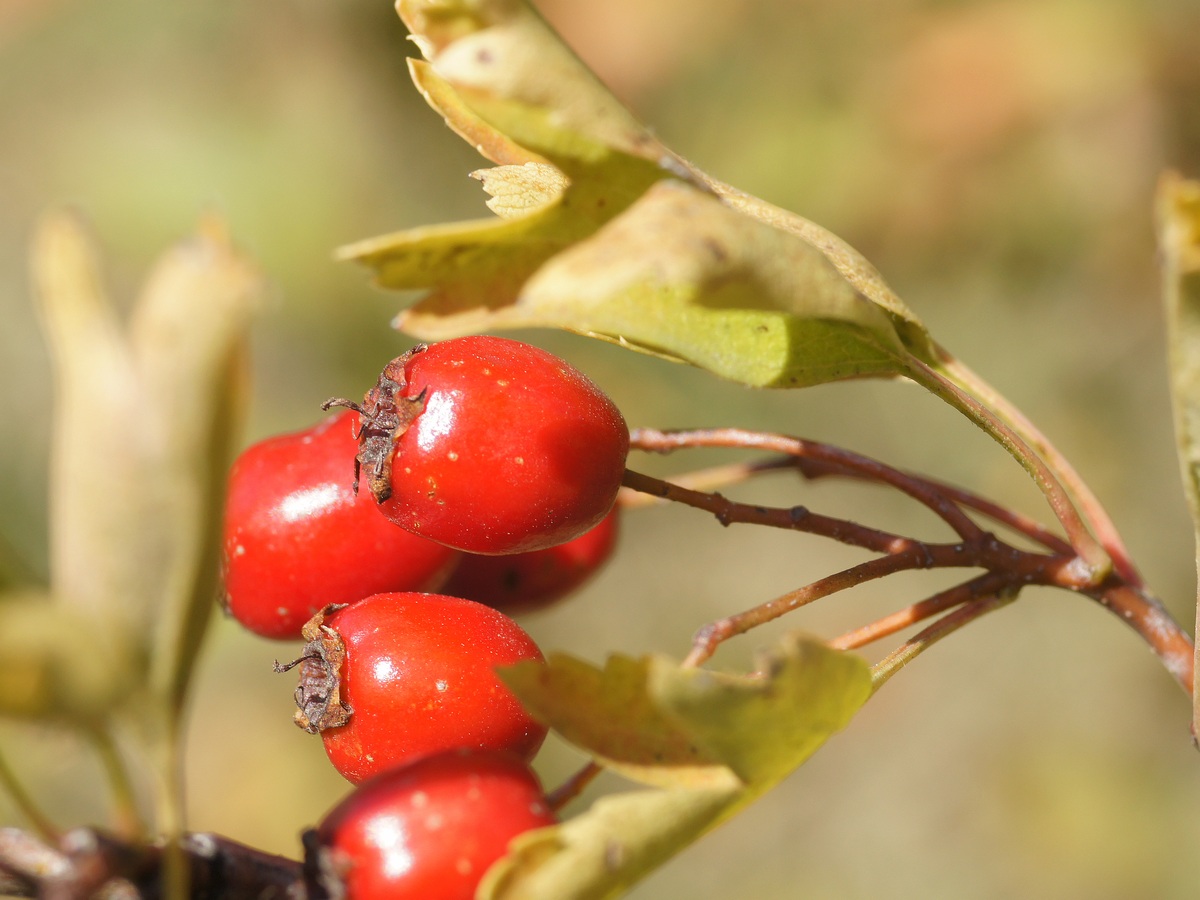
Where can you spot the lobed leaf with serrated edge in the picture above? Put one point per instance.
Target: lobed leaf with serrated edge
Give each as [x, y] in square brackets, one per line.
[787, 304]
[712, 742]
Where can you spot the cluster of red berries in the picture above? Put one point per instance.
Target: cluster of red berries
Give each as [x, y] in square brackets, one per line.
[500, 464]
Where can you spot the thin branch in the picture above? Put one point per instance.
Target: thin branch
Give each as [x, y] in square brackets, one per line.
[1062, 567]
[127, 819]
[987, 583]
[573, 786]
[796, 518]
[1095, 513]
[1091, 553]
[1145, 614]
[873, 470]
[709, 479]
[25, 803]
[1009, 565]
[948, 624]
[813, 470]
[1030, 528]
[712, 635]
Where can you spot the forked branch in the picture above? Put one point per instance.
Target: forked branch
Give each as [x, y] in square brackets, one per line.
[1006, 568]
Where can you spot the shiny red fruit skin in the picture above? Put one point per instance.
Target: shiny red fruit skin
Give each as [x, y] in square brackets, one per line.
[419, 677]
[525, 582]
[430, 830]
[515, 450]
[296, 537]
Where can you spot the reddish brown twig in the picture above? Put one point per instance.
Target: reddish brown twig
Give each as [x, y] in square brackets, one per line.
[573, 786]
[962, 377]
[925, 609]
[844, 460]
[946, 625]
[1006, 568]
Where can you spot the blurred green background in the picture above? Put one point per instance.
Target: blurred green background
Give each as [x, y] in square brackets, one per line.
[996, 160]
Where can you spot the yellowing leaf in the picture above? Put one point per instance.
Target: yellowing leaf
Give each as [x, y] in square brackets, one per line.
[853, 266]
[188, 334]
[513, 72]
[745, 732]
[486, 140]
[680, 273]
[762, 726]
[506, 79]
[605, 850]
[659, 723]
[588, 243]
[519, 190]
[142, 438]
[610, 713]
[1179, 246]
[477, 269]
[97, 453]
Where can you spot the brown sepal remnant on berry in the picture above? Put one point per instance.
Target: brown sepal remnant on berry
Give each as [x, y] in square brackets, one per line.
[318, 695]
[385, 415]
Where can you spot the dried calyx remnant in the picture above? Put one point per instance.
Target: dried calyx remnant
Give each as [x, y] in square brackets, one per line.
[318, 695]
[385, 415]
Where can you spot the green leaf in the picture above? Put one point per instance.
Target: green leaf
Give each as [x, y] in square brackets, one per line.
[513, 72]
[764, 725]
[509, 86]
[684, 275]
[605, 850]
[1179, 247]
[610, 713]
[588, 243]
[517, 191]
[486, 140]
[477, 269]
[713, 742]
[662, 724]
[853, 266]
[678, 274]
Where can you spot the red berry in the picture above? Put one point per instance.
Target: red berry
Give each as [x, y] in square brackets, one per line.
[399, 676]
[491, 446]
[429, 830]
[523, 582]
[297, 538]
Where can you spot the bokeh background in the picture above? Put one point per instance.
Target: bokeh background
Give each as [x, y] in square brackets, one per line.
[996, 160]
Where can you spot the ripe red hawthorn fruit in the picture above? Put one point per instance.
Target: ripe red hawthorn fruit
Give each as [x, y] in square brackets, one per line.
[428, 830]
[524, 582]
[490, 445]
[297, 537]
[402, 675]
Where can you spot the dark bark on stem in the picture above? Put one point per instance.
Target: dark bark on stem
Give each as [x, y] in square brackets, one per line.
[89, 863]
